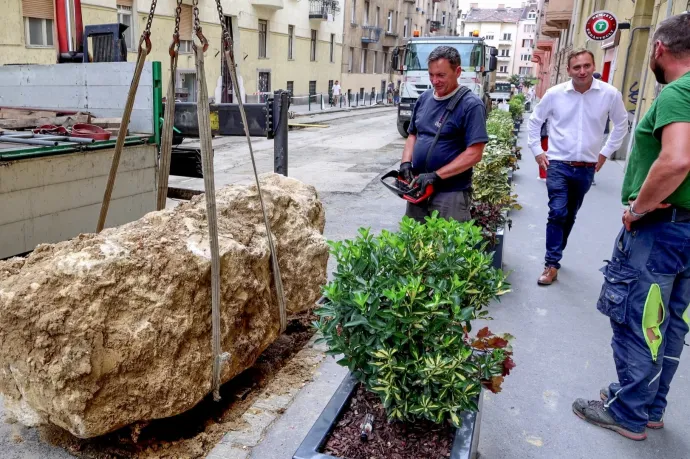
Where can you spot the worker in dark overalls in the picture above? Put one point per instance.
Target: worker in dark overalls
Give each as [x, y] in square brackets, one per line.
[646, 292]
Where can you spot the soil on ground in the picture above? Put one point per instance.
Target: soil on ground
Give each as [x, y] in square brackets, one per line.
[396, 440]
[193, 434]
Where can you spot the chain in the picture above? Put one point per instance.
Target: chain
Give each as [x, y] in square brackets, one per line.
[175, 45]
[197, 25]
[225, 33]
[146, 34]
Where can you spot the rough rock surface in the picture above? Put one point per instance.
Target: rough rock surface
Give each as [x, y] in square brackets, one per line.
[108, 329]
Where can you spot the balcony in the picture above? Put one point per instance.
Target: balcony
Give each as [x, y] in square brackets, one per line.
[550, 31]
[559, 13]
[503, 58]
[545, 45]
[410, 1]
[270, 4]
[434, 26]
[371, 34]
[320, 9]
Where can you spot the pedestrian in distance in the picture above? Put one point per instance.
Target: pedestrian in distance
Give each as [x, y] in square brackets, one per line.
[646, 291]
[336, 93]
[447, 135]
[577, 112]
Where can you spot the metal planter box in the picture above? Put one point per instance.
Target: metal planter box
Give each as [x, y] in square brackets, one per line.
[498, 249]
[465, 443]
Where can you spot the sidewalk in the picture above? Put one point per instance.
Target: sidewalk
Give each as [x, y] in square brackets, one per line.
[562, 346]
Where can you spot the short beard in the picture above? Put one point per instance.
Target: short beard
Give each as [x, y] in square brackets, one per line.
[659, 74]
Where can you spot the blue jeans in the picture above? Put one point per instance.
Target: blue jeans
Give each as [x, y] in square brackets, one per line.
[646, 294]
[567, 186]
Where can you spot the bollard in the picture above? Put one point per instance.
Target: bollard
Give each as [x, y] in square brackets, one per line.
[280, 139]
[309, 102]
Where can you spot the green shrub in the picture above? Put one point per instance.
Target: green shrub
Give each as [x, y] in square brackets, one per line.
[517, 108]
[399, 309]
[521, 97]
[500, 124]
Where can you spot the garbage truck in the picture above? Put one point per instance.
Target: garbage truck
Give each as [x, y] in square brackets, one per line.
[477, 59]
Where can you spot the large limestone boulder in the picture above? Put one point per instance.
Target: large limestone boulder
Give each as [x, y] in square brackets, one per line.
[108, 329]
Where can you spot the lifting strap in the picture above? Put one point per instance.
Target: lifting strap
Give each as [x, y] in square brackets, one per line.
[124, 125]
[204, 115]
[169, 116]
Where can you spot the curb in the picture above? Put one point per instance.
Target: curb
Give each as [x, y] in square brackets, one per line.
[268, 407]
[340, 110]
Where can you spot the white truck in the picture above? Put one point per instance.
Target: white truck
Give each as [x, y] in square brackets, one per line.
[477, 59]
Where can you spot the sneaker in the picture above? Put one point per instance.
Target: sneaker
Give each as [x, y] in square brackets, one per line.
[594, 412]
[656, 425]
[549, 275]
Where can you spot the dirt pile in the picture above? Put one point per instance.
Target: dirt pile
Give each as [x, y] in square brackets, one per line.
[114, 328]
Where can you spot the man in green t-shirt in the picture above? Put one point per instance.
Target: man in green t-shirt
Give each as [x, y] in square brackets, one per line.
[646, 291]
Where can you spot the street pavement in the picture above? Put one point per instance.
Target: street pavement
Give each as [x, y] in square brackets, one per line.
[562, 346]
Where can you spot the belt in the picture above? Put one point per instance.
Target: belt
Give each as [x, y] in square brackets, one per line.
[668, 215]
[579, 163]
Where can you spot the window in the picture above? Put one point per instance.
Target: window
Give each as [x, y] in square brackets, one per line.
[363, 63]
[378, 14]
[389, 23]
[505, 53]
[443, 18]
[291, 87]
[386, 62]
[525, 70]
[263, 36]
[264, 82]
[489, 36]
[366, 13]
[526, 43]
[507, 36]
[530, 28]
[526, 57]
[532, 15]
[469, 34]
[376, 56]
[312, 88]
[312, 55]
[38, 22]
[186, 47]
[291, 42]
[39, 32]
[353, 17]
[332, 47]
[405, 25]
[503, 69]
[124, 16]
[351, 59]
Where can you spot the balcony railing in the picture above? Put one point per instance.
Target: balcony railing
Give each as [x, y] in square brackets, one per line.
[320, 9]
[371, 34]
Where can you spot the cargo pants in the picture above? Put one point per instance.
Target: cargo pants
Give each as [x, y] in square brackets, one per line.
[646, 294]
[450, 204]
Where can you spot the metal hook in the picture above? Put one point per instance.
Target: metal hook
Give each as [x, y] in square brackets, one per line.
[202, 39]
[146, 38]
[175, 45]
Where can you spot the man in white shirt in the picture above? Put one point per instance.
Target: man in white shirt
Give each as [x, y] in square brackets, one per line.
[336, 93]
[577, 112]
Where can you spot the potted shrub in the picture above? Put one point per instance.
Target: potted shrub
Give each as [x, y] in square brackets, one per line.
[399, 311]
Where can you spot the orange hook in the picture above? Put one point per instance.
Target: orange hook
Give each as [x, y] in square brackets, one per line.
[202, 39]
[174, 46]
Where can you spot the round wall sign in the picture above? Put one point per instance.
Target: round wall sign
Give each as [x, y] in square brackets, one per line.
[601, 25]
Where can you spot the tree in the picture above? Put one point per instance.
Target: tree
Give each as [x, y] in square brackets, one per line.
[514, 80]
[530, 82]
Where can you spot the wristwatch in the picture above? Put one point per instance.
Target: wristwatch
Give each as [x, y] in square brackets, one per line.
[635, 214]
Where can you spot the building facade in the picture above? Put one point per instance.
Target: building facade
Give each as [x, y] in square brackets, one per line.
[278, 44]
[499, 28]
[373, 28]
[525, 42]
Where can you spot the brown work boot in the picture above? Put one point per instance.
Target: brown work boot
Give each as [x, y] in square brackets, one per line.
[549, 275]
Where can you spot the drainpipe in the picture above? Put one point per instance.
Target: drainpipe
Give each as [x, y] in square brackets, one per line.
[71, 32]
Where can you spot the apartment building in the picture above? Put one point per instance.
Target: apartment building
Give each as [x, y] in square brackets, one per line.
[525, 41]
[373, 28]
[499, 27]
[278, 44]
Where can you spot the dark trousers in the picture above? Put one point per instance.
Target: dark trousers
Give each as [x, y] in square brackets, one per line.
[451, 204]
[646, 294]
[567, 186]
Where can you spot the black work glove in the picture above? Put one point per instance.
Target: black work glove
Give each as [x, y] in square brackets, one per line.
[424, 180]
[406, 171]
